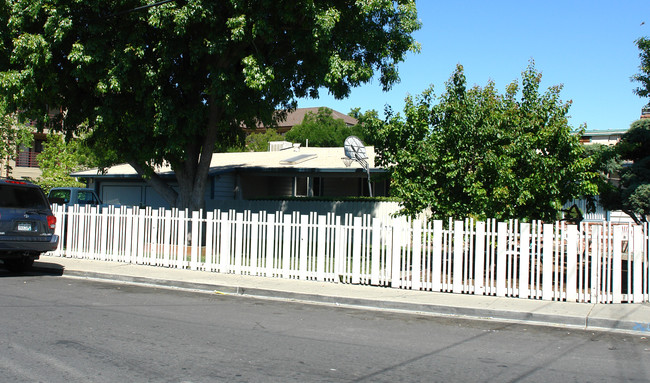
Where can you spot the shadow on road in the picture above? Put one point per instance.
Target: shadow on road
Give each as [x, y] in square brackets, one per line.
[39, 269]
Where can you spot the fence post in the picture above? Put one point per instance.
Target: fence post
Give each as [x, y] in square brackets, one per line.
[141, 236]
[416, 259]
[303, 227]
[224, 252]
[195, 245]
[269, 254]
[92, 233]
[479, 259]
[617, 267]
[286, 246]
[572, 264]
[594, 255]
[502, 239]
[396, 254]
[356, 250]
[167, 238]
[72, 227]
[524, 260]
[209, 233]
[239, 242]
[103, 233]
[129, 222]
[436, 256]
[254, 248]
[459, 245]
[547, 262]
[320, 252]
[375, 256]
[636, 251]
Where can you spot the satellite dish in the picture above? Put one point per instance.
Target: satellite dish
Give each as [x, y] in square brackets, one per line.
[354, 148]
[356, 151]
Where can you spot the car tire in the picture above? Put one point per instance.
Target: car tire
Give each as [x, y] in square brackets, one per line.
[19, 265]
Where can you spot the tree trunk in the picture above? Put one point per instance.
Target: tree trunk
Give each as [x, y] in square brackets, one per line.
[192, 173]
[158, 184]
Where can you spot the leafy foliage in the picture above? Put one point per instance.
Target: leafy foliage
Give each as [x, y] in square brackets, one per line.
[13, 135]
[320, 129]
[259, 142]
[173, 82]
[478, 153]
[631, 193]
[644, 76]
[60, 158]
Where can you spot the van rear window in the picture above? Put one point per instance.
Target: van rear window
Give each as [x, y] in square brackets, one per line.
[21, 197]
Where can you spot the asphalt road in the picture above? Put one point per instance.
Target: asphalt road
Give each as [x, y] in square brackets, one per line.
[58, 329]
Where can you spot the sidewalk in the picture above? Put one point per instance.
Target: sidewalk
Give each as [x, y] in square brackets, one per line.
[632, 318]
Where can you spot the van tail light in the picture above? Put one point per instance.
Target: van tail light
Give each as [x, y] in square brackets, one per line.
[51, 222]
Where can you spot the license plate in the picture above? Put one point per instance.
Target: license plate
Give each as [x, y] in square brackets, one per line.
[24, 227]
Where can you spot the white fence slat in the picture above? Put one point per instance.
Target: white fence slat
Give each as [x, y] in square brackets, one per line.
[286, 246]
[547, 262]
[68, 232]
[303, 228]
[436, 256]
[269, 255]
[502, 254]
[254, 249]
[416, 269]
[103, 233]
[356, 251]
[636, 254]
[375, 259]
[479, 259]
[167, 238]
[524, 260]
[617, 267]
[140, 232]
[224, 250]
[594, 257]
[239, 242]
[572, 264]
[320, 251]
[196, 245]
[396, 268]
[457, 270]
[209, 239]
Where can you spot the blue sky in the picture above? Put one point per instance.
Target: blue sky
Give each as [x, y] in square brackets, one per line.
[588, 46]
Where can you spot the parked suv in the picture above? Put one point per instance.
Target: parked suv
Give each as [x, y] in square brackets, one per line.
[26, 224]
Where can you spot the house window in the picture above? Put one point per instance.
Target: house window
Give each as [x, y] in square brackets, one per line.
[307, 187]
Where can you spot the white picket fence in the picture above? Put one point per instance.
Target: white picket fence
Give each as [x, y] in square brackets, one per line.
[600, 263]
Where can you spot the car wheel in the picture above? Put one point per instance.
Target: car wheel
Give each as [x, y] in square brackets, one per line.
[20, 264]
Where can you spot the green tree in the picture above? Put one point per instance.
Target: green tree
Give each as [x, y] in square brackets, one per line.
[631, 192]
[60, 158]
[173, 82]
[366, 122]
[477, 153]
[259, 142]
[644, 76]
[320, 129]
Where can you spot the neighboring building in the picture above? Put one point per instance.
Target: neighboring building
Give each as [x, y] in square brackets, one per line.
[249, 175]
[604, 137]
[297, 116]
[24, 164]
